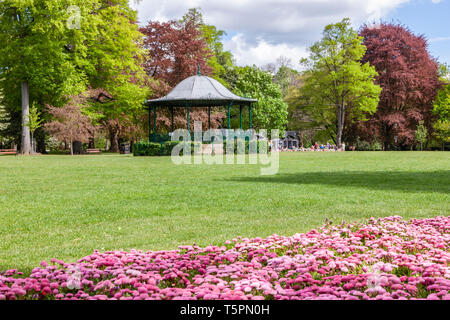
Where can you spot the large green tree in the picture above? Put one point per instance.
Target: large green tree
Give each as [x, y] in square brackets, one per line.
[336, 82]
[39, 55]
[114, 65]
[441, 108]
[271, 111]
[53, 49]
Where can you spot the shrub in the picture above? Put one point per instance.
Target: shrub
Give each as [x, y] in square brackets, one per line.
[152, 149]
[260, 146]
[362, 145]
[147, 149]
[167, 147]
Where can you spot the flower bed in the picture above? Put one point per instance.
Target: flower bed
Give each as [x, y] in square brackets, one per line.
[384, 259]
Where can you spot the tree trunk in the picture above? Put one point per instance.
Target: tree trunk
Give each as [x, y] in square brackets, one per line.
[300, 138]
[340, 125]
[26, 142]
[71, 148]
[33, 147]
[114, 138]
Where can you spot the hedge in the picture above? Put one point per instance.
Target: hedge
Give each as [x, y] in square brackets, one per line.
[261, 144]
[152, 149]
[147, 149]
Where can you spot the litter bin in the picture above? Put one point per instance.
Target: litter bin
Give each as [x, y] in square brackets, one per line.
[125, 148]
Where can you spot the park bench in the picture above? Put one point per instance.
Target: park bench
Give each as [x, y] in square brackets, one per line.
[8, 152]
[93, 151]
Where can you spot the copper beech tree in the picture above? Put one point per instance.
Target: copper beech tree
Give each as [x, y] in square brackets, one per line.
[409, 78]
[174, 51]
[69, 124]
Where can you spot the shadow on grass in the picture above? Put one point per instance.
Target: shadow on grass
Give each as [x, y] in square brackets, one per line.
[434, 181]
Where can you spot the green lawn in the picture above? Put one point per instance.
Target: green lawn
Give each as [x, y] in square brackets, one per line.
[65, 207]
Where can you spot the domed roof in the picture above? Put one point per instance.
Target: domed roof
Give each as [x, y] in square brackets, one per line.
[199, 91]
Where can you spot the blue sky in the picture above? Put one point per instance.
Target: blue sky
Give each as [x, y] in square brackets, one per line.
[260, 31]
[430, 19]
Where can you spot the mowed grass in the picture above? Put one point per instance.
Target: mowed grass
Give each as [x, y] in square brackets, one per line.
[65, 207]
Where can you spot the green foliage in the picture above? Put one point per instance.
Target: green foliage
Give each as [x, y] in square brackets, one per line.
[421, 134]
[221, 61]
[362, 145]
[38, 47]
[336, 82]
[114, 63]
[442, 130]
[441, 107]
[284, 77]
[271, 111]
[147, 149]
[168, 146]
[304, 119]
[152, 149]
[444, 71]
[61, 51]
[34, 119]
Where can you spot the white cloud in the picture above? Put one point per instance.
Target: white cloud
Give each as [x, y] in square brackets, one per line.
[263, 52]
[266, 29]
[439, 39]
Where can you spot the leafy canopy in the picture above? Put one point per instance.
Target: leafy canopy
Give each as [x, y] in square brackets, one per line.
[271, 111]
[336, 82]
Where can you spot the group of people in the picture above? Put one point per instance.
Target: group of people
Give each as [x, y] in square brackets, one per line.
[318, 148]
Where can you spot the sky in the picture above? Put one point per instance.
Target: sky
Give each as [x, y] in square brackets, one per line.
[260, 31]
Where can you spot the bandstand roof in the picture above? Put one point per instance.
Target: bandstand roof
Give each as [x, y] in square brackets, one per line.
[200, 91]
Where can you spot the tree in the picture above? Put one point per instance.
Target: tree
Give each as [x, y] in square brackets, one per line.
[337, 83]
[409, 79]
[441, 108]
[53, 49]
[174, 50]
[421, 135]
[220, 61]
[305, 119]
[34, 122]
[442, 132]
[285, 78]
[69, 124]
[39, 55]
[283, 73]
[115, 69]
[271, 111]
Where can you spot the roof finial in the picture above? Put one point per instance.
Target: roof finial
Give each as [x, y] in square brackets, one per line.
[198, 69]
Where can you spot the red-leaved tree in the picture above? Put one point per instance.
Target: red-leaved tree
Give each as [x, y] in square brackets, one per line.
[174, 50]
[69, 124]
[409, 78]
